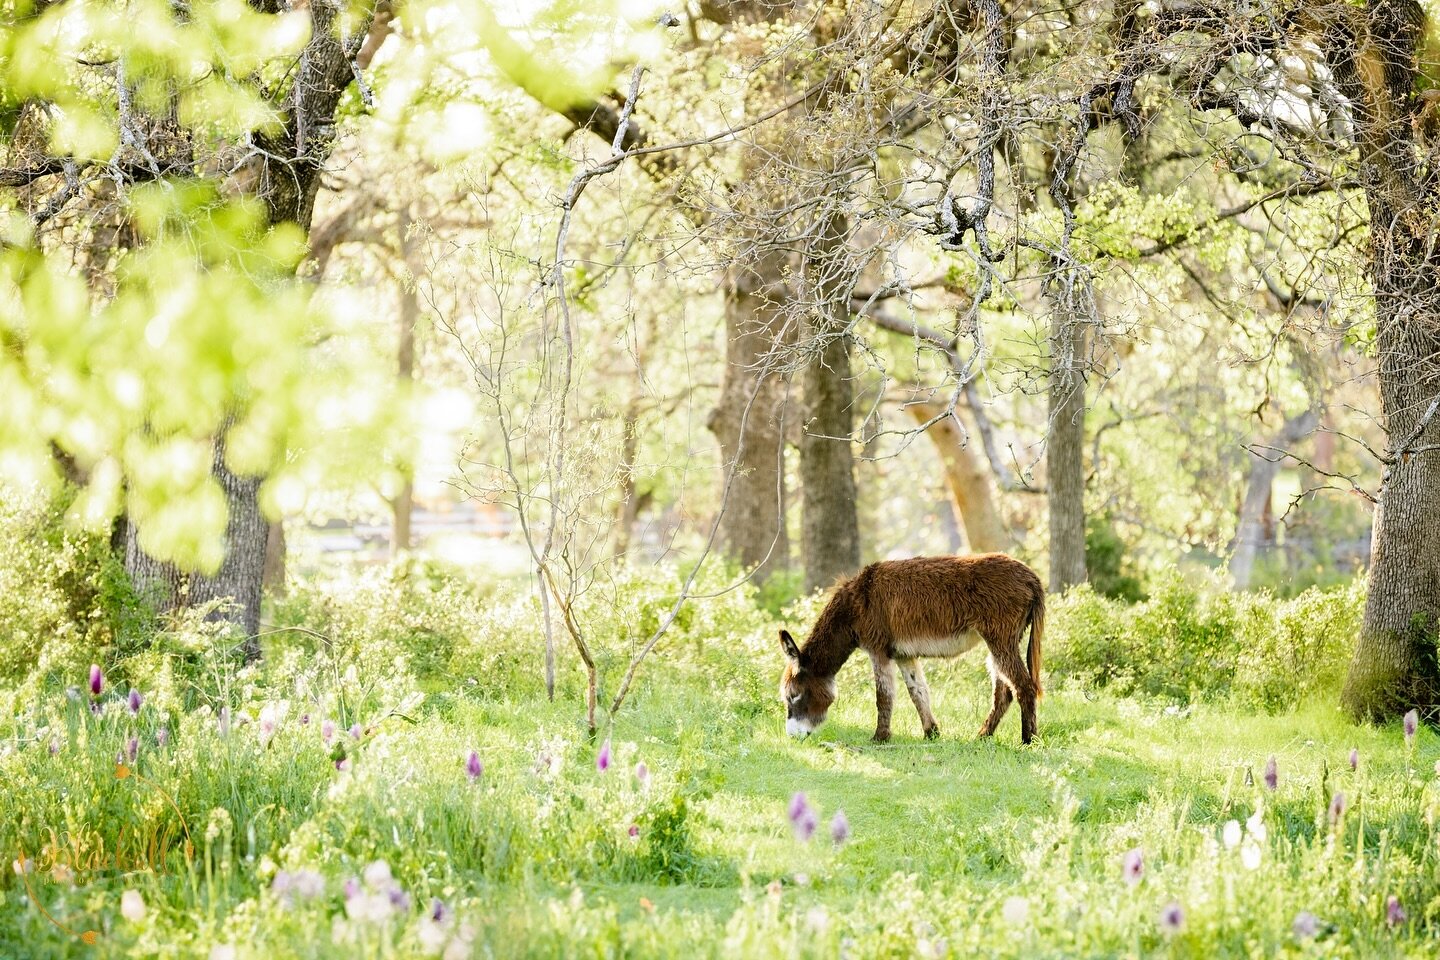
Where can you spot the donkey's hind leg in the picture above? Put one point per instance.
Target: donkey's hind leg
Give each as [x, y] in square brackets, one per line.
[914, 675]
[1008, 663]
[1000, 699]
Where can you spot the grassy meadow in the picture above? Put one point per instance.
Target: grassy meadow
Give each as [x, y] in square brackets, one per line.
[325, 801]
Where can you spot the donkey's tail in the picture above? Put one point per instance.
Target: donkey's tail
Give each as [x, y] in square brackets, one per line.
[1033, 658]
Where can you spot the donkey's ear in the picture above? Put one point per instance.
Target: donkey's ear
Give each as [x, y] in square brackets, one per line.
[787, 643]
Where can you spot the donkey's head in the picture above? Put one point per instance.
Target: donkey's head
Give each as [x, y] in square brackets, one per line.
[807, 695]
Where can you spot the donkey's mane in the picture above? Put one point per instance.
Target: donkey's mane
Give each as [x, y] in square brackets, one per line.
[834, 636]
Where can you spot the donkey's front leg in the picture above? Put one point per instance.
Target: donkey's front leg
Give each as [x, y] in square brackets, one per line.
[914, 675]
[884, 695]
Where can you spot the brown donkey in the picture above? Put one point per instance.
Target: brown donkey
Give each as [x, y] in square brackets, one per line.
[901, 610]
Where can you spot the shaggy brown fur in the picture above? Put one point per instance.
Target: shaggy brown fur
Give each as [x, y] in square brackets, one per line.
[900, 610]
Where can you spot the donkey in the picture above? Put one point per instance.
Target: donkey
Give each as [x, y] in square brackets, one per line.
[900, 610]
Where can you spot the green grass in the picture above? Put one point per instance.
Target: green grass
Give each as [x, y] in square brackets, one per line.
[541, 864]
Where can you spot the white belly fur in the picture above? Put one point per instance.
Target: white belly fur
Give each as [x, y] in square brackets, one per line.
[948, 646]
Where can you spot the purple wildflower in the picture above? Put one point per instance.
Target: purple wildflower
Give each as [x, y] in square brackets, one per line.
[352, 887]
[602, 759]
[133, 702]
[132, 749]
[1337, 807]
[803, 818]
[162, 737]
[1306, 925]
[473, 766]
[642, 774]
[342, 764]
[399, 899]
[304, 719]
[97, 680]
[327, 731]
[355, 731]
[54, 746]
[1133, 866]
[1172, 917]
[634, 831]
[438, 910]
[839, 828]
[1354, 759]
[1394, 913]
[1412, 724]
[1272, 773]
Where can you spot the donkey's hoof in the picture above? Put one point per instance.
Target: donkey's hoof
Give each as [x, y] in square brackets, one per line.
[933, 733]
[881, 736]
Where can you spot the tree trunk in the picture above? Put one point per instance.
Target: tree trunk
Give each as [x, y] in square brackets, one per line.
[272, 577]
[1065, 447]
[748, 420]
[1252, 529]
[1394, 667]
[403, 506]
[238, 578]
[972, 488]
[830, 525]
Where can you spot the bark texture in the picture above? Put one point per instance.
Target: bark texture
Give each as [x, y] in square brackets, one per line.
[1251, 531]
[1065, 451]
[748, 420]
[830, 524]
[1394, 667]
[972, 488]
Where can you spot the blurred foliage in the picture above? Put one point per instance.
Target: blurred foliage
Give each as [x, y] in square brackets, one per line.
[1188, 642]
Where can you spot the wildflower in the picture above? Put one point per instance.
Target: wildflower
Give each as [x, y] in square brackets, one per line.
[803, 818]
[839, 828]
[355, 731]
[1394, 913]
[266, 730]
[438, 911]
[432, 935]
[1250, 855]
[1272, 773]
[132, 906]
[97, 680]
[377, 874]
[399, 899]
[304, 719]
[307, 884]
[642, 774]
[224, 722]
[473, 766]
[1172, 917]
[602, 759]
[1412, 724]
[132, 748]
[1231, 834]
[342, 764]
[634, 831]
[1133, 866]
[133, 702]
[1306, 925]
[327, 731]
[1255, 826]
[1016, 911]
[55, 746]
[1337, 807]
[162, 737]
[1354, 759]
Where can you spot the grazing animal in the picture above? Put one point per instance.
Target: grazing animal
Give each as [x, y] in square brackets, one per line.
[900, 610]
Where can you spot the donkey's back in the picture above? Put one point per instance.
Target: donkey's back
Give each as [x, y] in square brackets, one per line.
[943, 606]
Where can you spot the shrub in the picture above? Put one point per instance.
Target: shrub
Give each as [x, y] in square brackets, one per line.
[1188, 642]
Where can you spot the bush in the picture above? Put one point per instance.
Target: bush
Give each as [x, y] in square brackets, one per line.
[64, 596]
[1186, 643]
